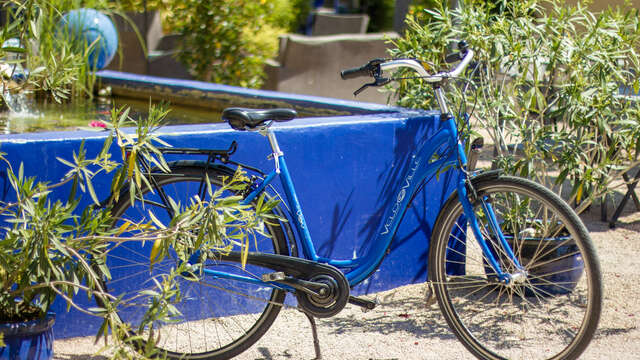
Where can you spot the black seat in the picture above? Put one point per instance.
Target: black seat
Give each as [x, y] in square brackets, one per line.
[247, 119]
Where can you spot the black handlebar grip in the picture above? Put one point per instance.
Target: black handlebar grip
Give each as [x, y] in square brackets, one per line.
[463, 47]
[355, 72]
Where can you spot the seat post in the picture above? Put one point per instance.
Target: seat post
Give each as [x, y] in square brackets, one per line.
[276, 153]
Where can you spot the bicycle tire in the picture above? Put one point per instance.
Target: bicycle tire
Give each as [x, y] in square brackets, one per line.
[554, 313]
[129, 264]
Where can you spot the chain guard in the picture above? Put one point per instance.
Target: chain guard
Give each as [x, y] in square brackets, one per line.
[320, 305]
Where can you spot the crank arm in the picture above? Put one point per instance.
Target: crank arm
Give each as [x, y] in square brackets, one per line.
[305, 286]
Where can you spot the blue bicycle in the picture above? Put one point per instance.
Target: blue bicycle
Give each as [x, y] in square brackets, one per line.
[512, 267]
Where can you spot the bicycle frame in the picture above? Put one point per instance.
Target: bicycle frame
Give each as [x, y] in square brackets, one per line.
[421, 167]
[425, 162]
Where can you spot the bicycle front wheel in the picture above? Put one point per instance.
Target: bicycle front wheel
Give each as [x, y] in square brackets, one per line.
[550, 306]
[219, 318]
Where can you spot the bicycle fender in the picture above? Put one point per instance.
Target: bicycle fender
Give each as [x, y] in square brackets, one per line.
[475, 179]
[486, 175]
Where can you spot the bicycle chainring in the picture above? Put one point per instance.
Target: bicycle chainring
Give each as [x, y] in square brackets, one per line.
[330, 302]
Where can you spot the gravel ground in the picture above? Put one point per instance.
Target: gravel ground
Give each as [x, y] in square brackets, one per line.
[389, 332]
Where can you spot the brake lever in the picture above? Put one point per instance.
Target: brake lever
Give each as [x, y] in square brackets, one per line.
[379, 81]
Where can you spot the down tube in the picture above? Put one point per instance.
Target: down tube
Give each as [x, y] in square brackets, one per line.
[421, 166]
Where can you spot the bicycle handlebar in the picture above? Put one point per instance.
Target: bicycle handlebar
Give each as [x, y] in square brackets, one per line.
[374, 68]
[415, 65]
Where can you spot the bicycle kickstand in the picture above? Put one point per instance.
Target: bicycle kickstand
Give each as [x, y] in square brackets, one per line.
[429, 295]
[314, 332]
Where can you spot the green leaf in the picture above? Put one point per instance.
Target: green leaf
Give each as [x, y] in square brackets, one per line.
[149, 293]
[155, 220]
[579, 192]
[131, 163]
[260, 202]
[37, 70]
[92, 192]
[34, 29]
[65, 162]
[124, 116]
[14, 49]
[155, 251]
[103, 331]
[105, 147]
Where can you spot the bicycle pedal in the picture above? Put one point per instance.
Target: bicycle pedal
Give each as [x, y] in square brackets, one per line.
[274, 276]
[364, 304]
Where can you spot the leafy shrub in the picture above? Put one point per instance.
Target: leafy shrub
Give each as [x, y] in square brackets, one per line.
[548, 82]
[417, 7]
[228, 41]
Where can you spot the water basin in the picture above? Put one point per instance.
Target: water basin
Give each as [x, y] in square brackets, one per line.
[51, 116]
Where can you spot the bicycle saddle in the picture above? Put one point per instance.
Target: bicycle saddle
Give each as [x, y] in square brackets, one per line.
[247, 119]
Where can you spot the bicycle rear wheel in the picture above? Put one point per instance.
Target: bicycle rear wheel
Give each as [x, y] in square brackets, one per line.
[549, 311]
[220, 317]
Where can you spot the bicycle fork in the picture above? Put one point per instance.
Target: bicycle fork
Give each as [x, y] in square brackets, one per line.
[469, 199]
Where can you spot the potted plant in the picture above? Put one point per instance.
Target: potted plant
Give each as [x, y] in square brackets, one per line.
[47, 247]
[50, 249]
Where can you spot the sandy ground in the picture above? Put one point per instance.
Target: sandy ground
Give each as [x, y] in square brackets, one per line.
[388, 332]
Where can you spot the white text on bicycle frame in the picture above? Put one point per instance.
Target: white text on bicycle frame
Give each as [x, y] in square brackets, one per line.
[401, 196]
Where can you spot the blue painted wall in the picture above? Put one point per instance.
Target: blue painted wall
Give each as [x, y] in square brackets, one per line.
[344, 169]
